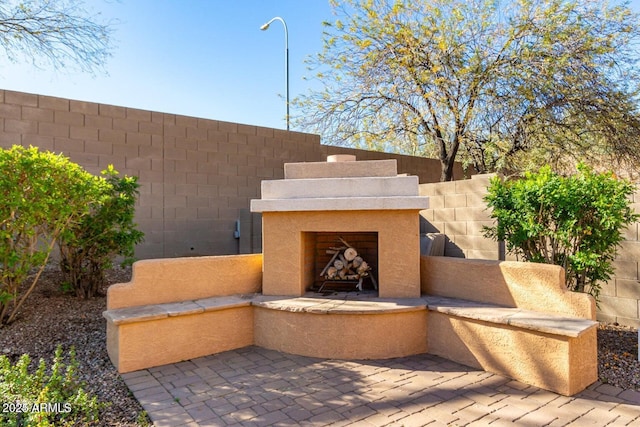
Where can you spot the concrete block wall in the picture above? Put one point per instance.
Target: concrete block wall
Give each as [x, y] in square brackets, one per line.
[196, 174]
[620, 297]
[457, 209]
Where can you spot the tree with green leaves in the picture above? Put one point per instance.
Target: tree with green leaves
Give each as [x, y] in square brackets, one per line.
[89, 246]
[61, 33]
[42, 194]
[482, 81]
[574, 221]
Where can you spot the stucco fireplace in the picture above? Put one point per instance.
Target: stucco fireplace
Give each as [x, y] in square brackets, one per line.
[366, 201]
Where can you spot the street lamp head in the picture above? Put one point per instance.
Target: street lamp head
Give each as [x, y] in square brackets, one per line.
[277, 18]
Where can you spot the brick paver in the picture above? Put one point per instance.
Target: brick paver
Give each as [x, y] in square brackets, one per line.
[258, 387]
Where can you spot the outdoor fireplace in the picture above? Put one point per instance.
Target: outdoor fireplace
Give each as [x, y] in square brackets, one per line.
[316, 204]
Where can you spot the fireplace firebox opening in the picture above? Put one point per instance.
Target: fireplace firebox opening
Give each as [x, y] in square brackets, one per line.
[341, 261]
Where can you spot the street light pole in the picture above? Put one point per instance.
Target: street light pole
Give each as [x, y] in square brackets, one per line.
[286, 57]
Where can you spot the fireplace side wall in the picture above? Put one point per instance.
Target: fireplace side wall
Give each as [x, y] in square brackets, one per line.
[309, 243]
[284, 268]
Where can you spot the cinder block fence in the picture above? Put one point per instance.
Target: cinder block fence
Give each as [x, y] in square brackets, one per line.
[197, 175]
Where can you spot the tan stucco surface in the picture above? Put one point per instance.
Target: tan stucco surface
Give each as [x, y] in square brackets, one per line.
[160, 281]
[554, 362]
[561, 364]
[398, 258]
[530, 286]
[142, 345]
[342, 336]
[350, 169]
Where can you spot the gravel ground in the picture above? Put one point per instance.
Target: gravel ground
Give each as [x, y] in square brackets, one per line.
[618, 356]
[50, 318]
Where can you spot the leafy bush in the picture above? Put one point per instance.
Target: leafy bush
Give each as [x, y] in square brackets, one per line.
[90, 245]
[42, 193]
[572, 221]
[44, 398]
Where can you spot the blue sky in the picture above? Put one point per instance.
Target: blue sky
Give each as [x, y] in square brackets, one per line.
[202, 58]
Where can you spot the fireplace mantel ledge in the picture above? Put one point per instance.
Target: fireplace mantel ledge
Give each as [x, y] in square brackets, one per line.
[341, 204]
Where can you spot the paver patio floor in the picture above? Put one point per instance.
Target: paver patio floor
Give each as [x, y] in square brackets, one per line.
[258, 387]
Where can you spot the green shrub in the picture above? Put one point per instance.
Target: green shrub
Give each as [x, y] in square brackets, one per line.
[52, 397]
[90, 245]
[572, 221]
[41, 194]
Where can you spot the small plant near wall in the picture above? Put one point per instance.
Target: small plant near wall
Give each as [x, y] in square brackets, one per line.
[90, 246]
[45, 397]
[573, 221]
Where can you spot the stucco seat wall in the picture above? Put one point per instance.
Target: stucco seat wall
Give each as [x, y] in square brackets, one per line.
[161, 317]
[142, 344]
[145, 336]
[159, 281]
[558, 363]
[181, 308]
[549, 351]
[522, 323]
[342, 336]
[526, 285]
[342, 327]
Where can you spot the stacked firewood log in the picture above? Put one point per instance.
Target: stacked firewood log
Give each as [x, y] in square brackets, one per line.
[345, 264]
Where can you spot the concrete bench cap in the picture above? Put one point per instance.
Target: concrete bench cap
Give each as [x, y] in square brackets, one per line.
[145, 313]
[525, 319]
[340, 303]
[312, 303]
[362, 304]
